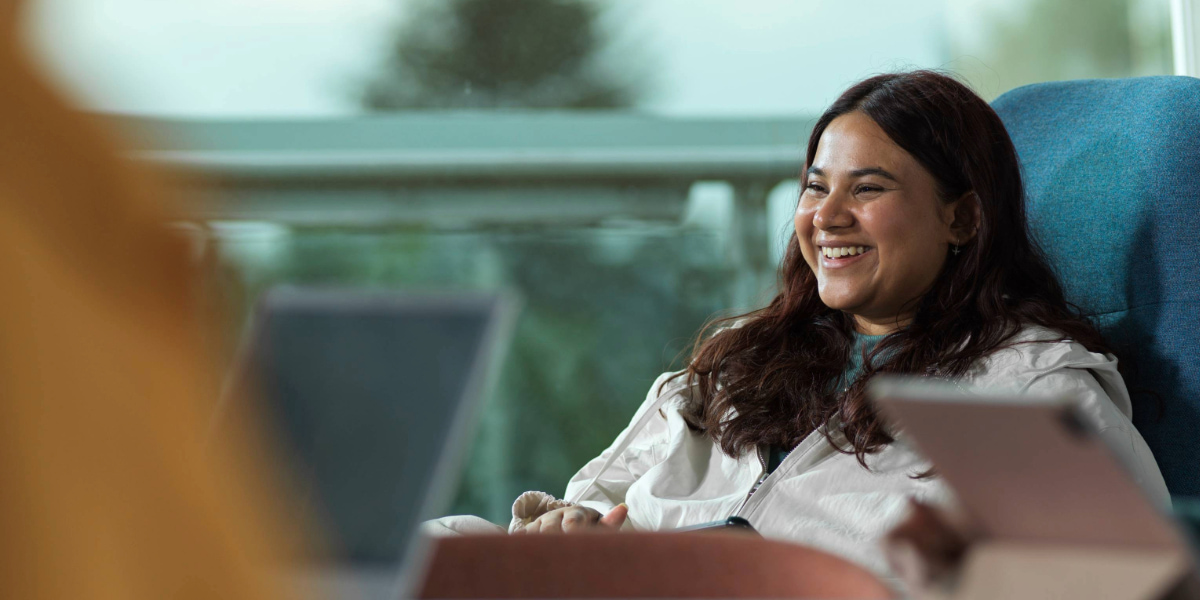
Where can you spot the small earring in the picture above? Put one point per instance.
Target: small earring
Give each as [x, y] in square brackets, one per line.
[954, 249]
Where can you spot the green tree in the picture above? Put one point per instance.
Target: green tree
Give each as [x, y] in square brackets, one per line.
[476, 54]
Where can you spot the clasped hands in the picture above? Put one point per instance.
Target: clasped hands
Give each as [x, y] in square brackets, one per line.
[572, 519]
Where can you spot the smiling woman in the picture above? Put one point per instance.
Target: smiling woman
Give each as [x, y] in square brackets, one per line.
[911, 255]
[872, 224]
[919, 173]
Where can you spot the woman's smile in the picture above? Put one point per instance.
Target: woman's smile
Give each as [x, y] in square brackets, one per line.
[837, 256]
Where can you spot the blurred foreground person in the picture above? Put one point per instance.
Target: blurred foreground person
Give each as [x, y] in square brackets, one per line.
[105, 389]
[911, 255]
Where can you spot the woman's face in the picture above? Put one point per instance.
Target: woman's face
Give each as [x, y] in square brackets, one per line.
[870, 225]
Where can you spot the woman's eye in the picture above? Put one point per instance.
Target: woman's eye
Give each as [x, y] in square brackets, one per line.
[866, 189]
[816, 187]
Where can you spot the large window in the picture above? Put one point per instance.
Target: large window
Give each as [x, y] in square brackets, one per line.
[617, 267]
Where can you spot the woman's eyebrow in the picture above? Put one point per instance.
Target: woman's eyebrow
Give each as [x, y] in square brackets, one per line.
[880, 171]
[873, 171]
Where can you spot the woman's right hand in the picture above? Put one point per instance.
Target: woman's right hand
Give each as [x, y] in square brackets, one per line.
[927, 546]
[571, 519]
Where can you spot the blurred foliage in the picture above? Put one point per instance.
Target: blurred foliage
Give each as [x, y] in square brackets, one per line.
[1056, 40]
[467, 54]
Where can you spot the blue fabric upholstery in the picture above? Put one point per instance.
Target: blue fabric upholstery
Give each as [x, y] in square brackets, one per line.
[1112, 173]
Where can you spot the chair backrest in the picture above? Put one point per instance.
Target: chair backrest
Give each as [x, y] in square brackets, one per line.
[1112, 175]
[640, 565]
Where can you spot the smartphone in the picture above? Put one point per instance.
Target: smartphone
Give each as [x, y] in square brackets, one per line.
[737, 524]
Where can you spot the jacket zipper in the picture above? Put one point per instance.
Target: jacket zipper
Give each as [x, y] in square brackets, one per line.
[762, 460]
[800, 453]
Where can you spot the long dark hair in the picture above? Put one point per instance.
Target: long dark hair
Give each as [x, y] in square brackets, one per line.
[774, 379]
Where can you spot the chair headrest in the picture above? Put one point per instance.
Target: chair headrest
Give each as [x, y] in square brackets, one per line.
[1112, 176]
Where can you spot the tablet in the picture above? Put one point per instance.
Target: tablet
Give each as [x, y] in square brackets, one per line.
[1024, 468]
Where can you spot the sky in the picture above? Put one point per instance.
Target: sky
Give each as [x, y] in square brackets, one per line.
[294, 58]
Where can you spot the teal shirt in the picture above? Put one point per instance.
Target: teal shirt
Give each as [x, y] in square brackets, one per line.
[853, 368]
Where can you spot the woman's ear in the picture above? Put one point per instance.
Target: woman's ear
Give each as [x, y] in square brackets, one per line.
[964, 218]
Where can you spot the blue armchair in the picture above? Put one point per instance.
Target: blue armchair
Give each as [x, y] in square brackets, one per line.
[1112, 175]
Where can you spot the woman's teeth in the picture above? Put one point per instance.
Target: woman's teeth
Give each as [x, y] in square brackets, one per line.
[843, 251]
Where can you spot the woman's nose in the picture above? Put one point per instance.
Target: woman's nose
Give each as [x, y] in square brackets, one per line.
[832, 213]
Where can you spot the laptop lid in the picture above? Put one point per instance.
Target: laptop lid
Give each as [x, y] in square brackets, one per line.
[375, 397]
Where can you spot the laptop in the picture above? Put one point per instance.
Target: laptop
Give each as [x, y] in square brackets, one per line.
[374, 397]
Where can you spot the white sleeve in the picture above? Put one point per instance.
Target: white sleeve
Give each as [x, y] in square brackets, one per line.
[1115, 428]
[641, 452]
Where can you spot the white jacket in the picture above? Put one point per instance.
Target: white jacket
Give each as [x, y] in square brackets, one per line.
[670, 476]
